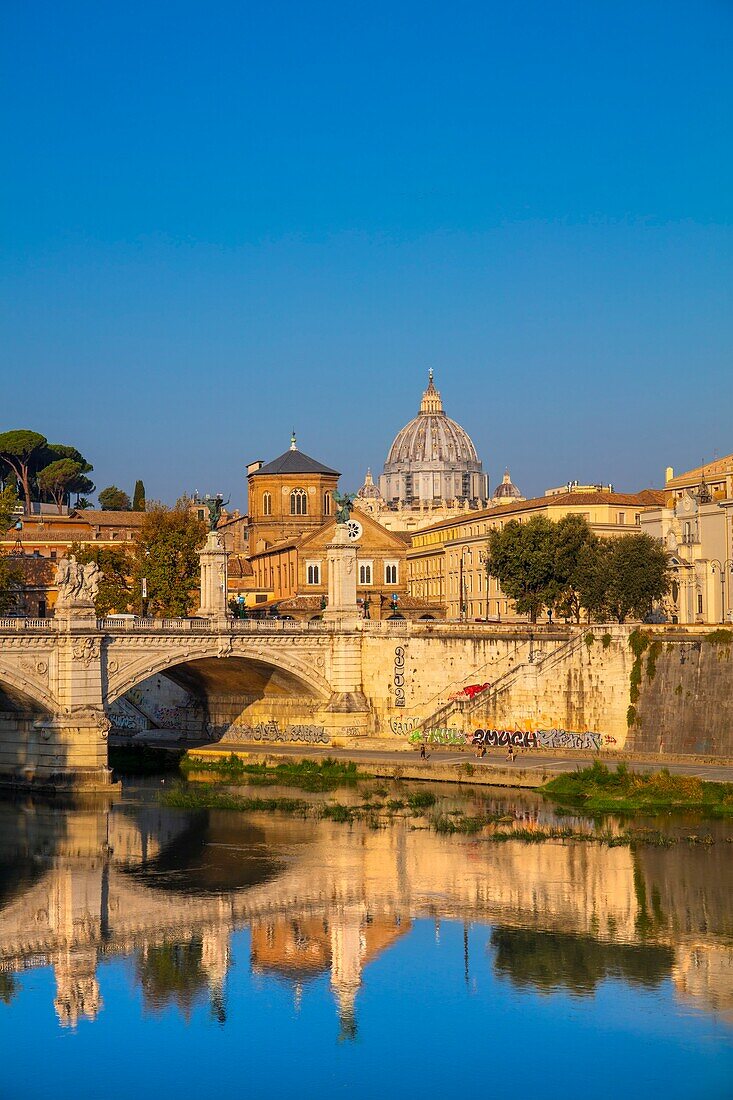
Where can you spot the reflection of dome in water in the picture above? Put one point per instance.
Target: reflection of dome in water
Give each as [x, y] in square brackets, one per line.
[507, 491]
[432, 458]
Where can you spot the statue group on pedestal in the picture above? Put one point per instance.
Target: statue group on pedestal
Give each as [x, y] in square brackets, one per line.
[77, 584]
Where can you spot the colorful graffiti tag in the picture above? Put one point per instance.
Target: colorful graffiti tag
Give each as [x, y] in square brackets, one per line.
[270, 731]
[438, 737]
[536, 739]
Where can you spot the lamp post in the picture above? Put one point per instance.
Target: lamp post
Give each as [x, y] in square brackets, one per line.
[461, 586]
[722, 566]
[485, 559]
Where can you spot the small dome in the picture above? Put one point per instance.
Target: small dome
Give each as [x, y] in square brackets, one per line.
[432, 436]
[507, 490]
[369, 491]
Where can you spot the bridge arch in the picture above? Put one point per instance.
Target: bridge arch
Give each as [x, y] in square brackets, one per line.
[126, 665]
[24, 682]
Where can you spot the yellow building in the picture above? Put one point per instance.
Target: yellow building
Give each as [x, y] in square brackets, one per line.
[695, 524]
[452, 555]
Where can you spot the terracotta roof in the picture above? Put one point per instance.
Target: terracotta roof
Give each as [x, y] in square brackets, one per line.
[646, 498]
[239, 567]
[713, 469]
[98, 516]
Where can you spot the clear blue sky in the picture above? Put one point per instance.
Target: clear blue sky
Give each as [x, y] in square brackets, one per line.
[223, 220]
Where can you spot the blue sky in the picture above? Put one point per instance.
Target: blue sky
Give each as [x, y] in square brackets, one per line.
[223, 220]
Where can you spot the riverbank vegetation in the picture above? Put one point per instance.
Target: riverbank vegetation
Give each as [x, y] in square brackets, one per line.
[598, 789]
[307, 775]
[423, 810]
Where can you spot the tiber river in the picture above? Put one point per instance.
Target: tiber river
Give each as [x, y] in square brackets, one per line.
[152, 952]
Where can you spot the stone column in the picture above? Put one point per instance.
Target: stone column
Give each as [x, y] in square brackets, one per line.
[347, 706]
[214, 560]
[341, 558]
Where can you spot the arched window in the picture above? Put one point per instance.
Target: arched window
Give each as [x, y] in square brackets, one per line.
[390, 572]
[313, 572]
[267, 504]
[327, 504]
[365, 572]
[298, 502]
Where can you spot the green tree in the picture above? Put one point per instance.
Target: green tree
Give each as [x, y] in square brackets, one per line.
[8, 508]
[57, 478]
[523, 561]
[82, 484]
[166, 555]
[19, 450]
[572, 535]
[593, 578]
[113, 499]
[639, 575]
[138, 497]
[117, 568]
[10, 576]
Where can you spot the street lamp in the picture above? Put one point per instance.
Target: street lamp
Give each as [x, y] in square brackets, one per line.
[485, 559]
[461, 586]
[722, 566]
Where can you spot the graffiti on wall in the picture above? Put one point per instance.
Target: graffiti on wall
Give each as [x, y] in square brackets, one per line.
[438, 736]
[536, 739]
[270, 731]
[126, 721]
[399, 676]
[403, 726]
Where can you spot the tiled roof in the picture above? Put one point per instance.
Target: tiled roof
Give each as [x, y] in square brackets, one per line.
[294, 462]
[646, 498]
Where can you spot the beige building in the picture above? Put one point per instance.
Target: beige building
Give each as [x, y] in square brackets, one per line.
[452, 556]
[695, 524]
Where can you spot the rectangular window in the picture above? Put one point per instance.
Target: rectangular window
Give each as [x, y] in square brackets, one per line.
[313, 572]
[391, 572]
[365, 572]
[699, 603]
[622, 518]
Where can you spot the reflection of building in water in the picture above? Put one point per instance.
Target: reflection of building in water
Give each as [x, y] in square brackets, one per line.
[703, 977]
[344, 941]
[324, 900]
[77, 988]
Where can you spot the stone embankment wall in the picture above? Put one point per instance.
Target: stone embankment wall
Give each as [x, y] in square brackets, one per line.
[407, 679]
[685, 695]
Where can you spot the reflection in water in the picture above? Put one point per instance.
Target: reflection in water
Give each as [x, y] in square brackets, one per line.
[325, 901]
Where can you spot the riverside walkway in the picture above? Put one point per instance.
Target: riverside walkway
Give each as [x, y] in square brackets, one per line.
[528, 769]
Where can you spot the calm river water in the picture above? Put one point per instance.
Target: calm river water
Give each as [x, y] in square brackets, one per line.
[151, 952]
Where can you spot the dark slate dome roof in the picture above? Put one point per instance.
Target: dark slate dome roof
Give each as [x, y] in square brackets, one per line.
[507, 490]
[369, 491]
[294, 461]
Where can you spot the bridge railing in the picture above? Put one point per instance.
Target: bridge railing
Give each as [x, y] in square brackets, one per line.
[18, 625]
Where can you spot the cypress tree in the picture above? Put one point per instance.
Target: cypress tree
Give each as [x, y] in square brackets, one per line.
[138, 497]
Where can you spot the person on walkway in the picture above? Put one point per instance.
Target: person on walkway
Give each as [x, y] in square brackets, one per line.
[422, 751]
[510, 753]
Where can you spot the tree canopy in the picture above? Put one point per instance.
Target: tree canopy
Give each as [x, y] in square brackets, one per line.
[18, 450]
[117, 568]
[565, 567]
[57, 479]
[138, 497]
[113, 499]
[522, 558]
[166, 556]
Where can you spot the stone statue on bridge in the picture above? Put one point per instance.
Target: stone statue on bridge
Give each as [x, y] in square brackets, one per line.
[78, 585]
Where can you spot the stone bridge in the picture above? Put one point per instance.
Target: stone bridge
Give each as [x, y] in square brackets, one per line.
[323, 682]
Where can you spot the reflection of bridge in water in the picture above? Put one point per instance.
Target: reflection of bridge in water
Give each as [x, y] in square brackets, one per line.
[81, 885]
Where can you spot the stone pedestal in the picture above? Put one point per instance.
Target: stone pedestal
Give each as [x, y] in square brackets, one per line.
[347, 706]
[213, 559]
[341, 558]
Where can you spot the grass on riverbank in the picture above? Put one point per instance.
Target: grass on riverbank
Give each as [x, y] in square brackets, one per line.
[307, 775]
[489, 827]
[598, 789]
